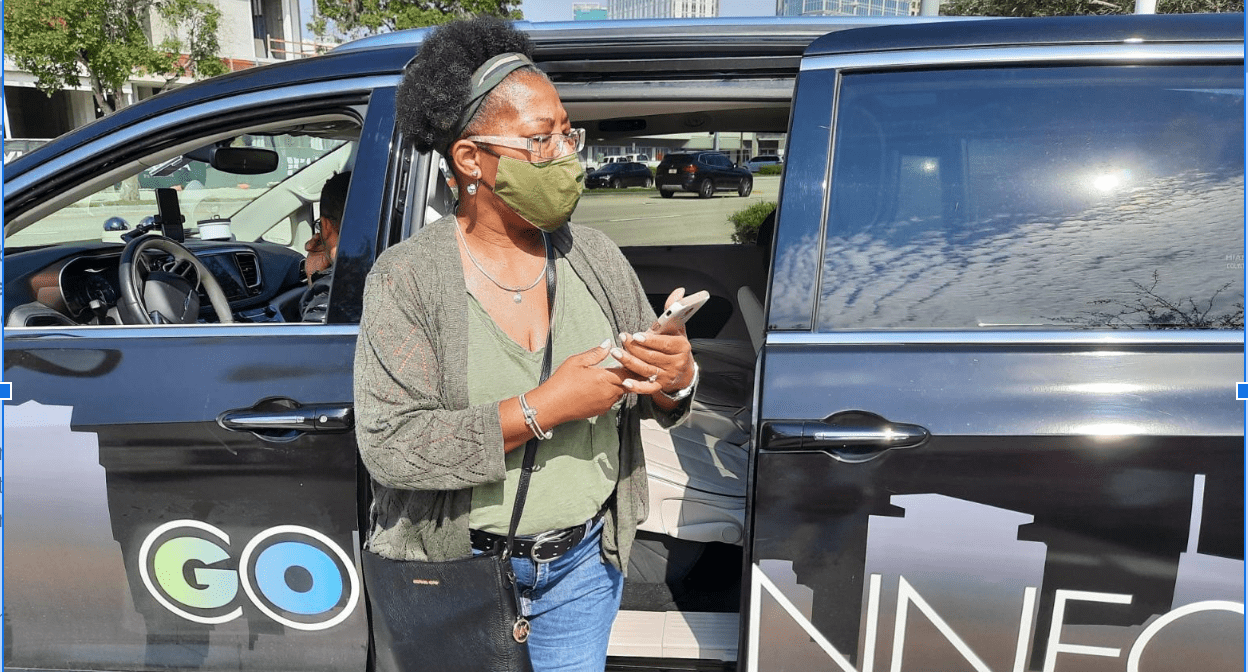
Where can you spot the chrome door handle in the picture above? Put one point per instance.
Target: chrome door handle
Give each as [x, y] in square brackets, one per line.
[283, 419]
[848, 436]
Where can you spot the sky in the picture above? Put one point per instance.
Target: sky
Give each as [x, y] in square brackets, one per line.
[561, 10]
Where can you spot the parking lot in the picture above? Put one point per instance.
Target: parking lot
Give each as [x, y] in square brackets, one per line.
[642, 217]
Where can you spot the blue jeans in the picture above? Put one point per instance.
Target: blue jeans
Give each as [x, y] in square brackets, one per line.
[571, 604]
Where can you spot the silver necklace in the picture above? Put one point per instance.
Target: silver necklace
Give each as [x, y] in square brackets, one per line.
[517, 296]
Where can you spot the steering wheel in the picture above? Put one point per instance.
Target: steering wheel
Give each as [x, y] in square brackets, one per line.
[152, 295]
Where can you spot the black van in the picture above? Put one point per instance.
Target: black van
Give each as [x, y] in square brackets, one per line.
[969, 407]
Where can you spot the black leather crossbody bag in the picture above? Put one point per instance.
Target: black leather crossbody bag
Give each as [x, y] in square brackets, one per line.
[459, 615]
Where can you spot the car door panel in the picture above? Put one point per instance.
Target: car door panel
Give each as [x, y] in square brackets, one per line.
[1034, 483]
[982, 445]
[134, 508]
[188, 496]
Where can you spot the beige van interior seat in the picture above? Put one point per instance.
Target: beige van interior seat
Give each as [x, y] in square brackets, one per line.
[697, 470]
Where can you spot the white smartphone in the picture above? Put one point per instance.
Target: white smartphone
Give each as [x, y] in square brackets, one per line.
[679, 313]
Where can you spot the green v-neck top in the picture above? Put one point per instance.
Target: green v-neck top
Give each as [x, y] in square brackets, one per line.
[577, 468]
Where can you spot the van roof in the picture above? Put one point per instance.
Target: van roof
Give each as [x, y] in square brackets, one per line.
[1064, 30]
[662, 37]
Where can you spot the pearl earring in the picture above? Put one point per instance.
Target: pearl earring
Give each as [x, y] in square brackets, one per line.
[471, 189]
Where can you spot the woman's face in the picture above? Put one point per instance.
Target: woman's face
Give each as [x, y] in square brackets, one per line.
[534, 109]
[530, 108]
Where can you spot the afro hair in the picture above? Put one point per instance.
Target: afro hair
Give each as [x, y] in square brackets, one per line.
[437, 83]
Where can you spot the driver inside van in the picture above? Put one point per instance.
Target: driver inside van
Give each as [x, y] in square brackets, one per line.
[322, 249]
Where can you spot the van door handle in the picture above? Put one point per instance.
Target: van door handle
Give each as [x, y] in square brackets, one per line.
[283, 419]
[848, 436]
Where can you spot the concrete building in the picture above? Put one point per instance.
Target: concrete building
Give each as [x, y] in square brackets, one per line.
[661, 9]
[589, 12]
[252, 32]
[847, 7]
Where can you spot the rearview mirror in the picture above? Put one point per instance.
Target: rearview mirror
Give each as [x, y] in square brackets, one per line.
[244, 160]
[237, 160]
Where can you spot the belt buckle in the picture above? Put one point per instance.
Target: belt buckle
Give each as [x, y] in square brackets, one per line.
[549, 537]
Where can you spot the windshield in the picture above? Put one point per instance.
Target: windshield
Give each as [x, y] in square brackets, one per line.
[204, 193]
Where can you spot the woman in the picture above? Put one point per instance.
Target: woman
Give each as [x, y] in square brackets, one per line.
[455, 322]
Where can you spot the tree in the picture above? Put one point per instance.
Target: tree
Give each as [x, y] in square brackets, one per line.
[199, 21]
[1074, 7]
[356, 18]
[58, 41]
[1149, 309]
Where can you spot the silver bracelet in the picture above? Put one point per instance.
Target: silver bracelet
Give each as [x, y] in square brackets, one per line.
[681, 394]
[530, 419]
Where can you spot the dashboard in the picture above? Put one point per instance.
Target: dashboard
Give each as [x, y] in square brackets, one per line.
[86, 280]
[79, 284]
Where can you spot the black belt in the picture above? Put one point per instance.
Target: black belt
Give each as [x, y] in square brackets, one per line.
[541, 548]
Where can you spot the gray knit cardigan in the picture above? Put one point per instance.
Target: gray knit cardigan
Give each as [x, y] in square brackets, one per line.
[424, 446]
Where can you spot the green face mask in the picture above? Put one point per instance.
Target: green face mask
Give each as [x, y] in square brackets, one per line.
[544, 194]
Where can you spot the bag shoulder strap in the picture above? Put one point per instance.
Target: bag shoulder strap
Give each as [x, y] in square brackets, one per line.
[530, 448]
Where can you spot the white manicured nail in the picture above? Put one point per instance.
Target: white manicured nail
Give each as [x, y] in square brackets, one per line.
[617, 353]
[605, 344]
[628, 382]
[639, 337]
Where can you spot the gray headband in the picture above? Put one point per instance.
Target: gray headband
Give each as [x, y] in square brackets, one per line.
[489, 75]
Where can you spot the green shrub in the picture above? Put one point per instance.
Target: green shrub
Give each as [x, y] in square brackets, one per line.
[745, 222]
[770, 170]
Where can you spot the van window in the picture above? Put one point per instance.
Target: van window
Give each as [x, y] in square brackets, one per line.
[665, 197]
[205, 194]
[1064, 198]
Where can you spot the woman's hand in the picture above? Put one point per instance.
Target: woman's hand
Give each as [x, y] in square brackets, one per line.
[657, 362]
[579, 388]
[650, 364]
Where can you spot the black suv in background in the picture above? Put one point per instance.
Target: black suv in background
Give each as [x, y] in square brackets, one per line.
[701, 172]
[620, 175]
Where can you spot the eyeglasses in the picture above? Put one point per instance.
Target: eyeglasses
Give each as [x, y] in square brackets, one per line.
[318, 226]
[550, 146]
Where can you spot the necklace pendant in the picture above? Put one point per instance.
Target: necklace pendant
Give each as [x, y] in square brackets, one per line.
[517, 298]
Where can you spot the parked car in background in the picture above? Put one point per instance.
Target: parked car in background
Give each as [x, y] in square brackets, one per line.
[763, 160]
[625, 158]
[702, 173]
[620, 175]
[639, 158]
